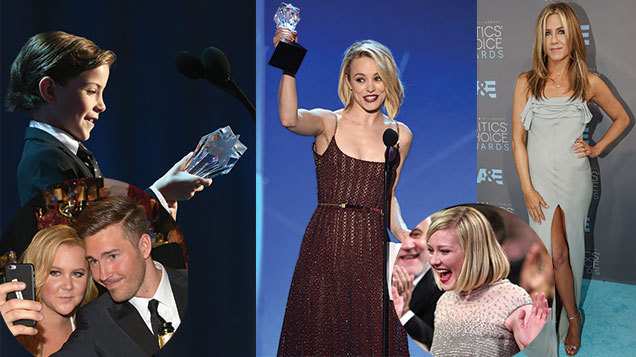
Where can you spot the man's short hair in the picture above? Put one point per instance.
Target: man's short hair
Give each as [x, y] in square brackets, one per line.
[117, 210]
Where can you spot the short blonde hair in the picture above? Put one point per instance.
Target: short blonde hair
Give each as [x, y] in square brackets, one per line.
[538, 76]
[484, 261]
[41, 253]
[387, 69]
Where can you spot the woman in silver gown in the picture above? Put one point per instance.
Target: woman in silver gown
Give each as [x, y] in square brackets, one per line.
[549, 117]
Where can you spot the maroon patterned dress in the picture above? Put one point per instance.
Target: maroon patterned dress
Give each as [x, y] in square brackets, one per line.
[334, 306]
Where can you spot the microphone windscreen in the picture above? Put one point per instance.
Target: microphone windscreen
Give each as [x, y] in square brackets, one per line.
[189, 65]
[390, 137]
[216, 64]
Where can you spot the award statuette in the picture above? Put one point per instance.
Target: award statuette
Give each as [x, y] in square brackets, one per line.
[287, 56]
[215, 154]
[165, 333]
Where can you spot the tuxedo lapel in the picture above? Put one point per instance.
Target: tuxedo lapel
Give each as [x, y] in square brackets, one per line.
[127, 317]
[41, 135]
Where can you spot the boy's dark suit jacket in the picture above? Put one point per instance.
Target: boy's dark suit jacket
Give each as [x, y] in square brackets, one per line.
[45, 162]
[423, 303]
[107, 328]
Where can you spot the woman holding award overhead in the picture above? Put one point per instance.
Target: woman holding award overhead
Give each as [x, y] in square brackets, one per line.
[549, 117]
[335, 299]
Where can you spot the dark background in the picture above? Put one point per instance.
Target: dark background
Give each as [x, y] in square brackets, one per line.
[154, 117]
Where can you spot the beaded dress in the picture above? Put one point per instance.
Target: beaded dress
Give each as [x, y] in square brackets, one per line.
[472, 324]
[334, 306]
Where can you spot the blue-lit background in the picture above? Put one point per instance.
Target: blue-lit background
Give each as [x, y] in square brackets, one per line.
[434, 46]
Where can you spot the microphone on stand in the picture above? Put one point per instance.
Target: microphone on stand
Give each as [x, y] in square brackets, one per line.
[390, 138]
[217, 67]
[214, 67]
[189, 65]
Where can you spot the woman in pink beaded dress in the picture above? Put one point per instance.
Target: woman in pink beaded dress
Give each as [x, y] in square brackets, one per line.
[481, 313]
[335, 299]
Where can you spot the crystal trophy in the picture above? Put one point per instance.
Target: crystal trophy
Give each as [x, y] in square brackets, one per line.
[287, 56]
[216, 154]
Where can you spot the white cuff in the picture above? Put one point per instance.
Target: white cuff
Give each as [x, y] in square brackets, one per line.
[406, 317]
[160, 197]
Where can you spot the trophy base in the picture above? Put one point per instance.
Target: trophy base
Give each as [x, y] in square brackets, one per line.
[288, 57]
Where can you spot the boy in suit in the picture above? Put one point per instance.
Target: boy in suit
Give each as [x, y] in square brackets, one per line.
[59, 79]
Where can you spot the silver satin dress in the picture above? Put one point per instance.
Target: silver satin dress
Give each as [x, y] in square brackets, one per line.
[562, 179]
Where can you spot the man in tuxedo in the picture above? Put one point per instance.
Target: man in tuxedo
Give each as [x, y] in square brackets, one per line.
[142, 294]
[414, 290]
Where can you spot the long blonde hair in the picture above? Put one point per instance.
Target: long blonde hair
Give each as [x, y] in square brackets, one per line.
[41, 253]
[484, 261]
[387, 69]
[537, 77]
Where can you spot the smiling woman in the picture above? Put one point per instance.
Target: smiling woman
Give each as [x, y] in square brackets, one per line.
[481, 312]
[549, 118]
[331, 298]
[62, 284]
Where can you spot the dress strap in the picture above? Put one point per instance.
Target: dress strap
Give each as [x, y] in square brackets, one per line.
[336, 128]
[397, 127]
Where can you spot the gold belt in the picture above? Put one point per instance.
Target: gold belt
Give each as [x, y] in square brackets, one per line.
[349, 205]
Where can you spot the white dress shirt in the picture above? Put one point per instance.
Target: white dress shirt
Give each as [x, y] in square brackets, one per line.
[167, 305]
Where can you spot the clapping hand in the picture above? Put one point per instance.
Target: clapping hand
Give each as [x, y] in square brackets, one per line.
[17, 309]
[528, 327]
[536, 272]
[401, 290]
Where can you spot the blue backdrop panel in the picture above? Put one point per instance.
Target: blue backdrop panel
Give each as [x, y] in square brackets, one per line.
[433, 44]
[155, 116]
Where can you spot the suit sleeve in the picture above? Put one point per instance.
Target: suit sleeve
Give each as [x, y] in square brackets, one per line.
[419, 330]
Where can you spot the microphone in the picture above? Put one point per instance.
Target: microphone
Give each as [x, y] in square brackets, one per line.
[216, 66]
[390, 138]
[189, 65]
[216, 69]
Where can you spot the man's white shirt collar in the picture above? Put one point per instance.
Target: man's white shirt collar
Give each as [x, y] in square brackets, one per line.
[167, 305]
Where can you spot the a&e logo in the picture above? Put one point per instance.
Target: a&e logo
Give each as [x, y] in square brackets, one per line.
[490, 175]
[487, 88]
